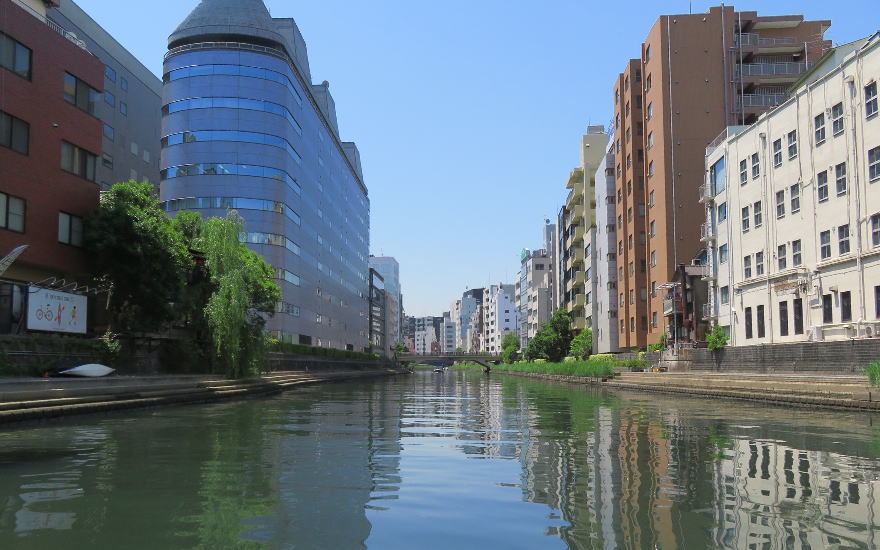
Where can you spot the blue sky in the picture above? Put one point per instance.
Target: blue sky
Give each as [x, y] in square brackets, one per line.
[467, 113]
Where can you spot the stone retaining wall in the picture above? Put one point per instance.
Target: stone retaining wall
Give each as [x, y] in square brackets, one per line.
[839, 357]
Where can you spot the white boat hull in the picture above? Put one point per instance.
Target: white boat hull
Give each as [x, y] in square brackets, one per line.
[92, 370]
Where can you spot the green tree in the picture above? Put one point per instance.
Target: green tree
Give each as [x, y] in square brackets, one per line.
[716, 338]
[400, 348]
[582, 345]
[553, 339]
[243, 288]
[509, 348]
[661, 345]
[138, 255]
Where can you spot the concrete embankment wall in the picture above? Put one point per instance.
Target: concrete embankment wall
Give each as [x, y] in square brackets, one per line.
[839, 357]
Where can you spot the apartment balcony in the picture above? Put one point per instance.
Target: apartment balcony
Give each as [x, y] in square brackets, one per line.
[706, 194]
[709, 311]
[725, 134]
[754, 42]
[579, 323]
[578, 302]
[577, 214]
[577, 236]
[707, 232]
[763, 100]
[576, 258]
[784, 68]
[575, 177]
[576, 282]
[671, 306]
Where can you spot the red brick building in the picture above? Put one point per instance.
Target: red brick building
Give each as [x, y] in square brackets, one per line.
[50, 142]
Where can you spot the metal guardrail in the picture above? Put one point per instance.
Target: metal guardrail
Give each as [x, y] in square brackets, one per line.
[771, 69]
[706, 193]
[754, 39]
[763, 100]
[725, 134]
[707, 231]
[226, 45]
[52, 25]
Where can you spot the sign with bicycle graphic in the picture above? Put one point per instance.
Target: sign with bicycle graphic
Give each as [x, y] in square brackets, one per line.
[54, 311]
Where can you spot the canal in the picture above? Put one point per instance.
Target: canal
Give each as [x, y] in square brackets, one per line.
[453, 460]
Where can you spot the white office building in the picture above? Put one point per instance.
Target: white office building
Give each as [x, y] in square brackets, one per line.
[499, 316]
[793, 210]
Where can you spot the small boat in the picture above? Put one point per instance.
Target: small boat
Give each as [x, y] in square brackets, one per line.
[91, 370]
[438, 369]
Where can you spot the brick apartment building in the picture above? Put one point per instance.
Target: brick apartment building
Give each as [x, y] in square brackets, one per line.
[697, 74]
[49, 142]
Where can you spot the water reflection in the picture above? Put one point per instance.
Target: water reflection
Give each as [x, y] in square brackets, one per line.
[458, 460]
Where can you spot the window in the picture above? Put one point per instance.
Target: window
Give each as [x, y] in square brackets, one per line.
[756, 166]
[777, 153]
[725, 294]
[643, 266]
[12, 211]
[107, 160]
[745, 219]
[651, 199]
[722, 254]
[825, 244]
[760, 318]
[845, 307]
[747, 267]
[722, 212]
[108, 132]
[874, 164]
[781, 257]
[783, 318]
[642, 239]
[69, 229]
[840, 176]
[875, 230]
[758, 215]
[819, 128]
[794, 193]
[134, 148]
[798, 307]
[843, 239]
[653, 258]
[827, 310]
[80, 94]
[653, 289]
[837, 119]
[792, 144]
[650, 111]
[653, 228]
[109, 73]
[15, 56]
[629, 214]
[641, 209]
[109, 99]
[780, 204]
[629, 243]
[650, 168]
[123, 108]
[822, 185]
[648, 84]
[759, 263]
[632, 296]
[632, 324]
[743, 171]
[871, 100]
[14, 133]
[650, 139]
[654, 319]
[796, 259]
[123, 83]
[77, 161]
[648, 57]
[748, 322]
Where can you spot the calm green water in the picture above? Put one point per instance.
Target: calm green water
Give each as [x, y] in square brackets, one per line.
[455, 460]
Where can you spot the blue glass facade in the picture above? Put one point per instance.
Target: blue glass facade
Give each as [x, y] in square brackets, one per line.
[242, 130]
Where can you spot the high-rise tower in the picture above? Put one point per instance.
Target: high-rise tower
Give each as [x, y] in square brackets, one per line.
[243, 128]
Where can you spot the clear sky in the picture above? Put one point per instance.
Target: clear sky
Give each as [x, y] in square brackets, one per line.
[467, 113]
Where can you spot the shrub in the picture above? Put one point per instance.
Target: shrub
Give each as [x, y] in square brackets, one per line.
[582, 345]
[606, 356]
[873, 372]
[716, 339]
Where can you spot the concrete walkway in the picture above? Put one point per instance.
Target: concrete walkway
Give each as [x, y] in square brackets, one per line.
[31, 399]
[807, 390]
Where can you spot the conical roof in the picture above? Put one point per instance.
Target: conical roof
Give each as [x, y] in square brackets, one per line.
[231, 20]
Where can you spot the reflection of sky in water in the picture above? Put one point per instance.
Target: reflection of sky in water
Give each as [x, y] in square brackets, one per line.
[454, 461]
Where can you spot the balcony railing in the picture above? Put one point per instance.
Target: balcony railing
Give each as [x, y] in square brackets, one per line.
[728, 132]
[708, 311]
[706, 193]
[754, 39]
[53, 25]
[763, 100]
[771, 69]
[707, 232]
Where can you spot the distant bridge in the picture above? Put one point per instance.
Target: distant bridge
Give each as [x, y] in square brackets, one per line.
[486, 360]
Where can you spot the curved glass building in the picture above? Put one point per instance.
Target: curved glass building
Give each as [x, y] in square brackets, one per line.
[243, 128]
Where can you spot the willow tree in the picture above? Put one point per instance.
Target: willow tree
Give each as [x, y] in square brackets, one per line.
[243, 291]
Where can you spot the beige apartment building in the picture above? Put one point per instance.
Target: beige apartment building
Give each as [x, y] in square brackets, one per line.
[697, 74]
[576, 218]
[792, 208]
